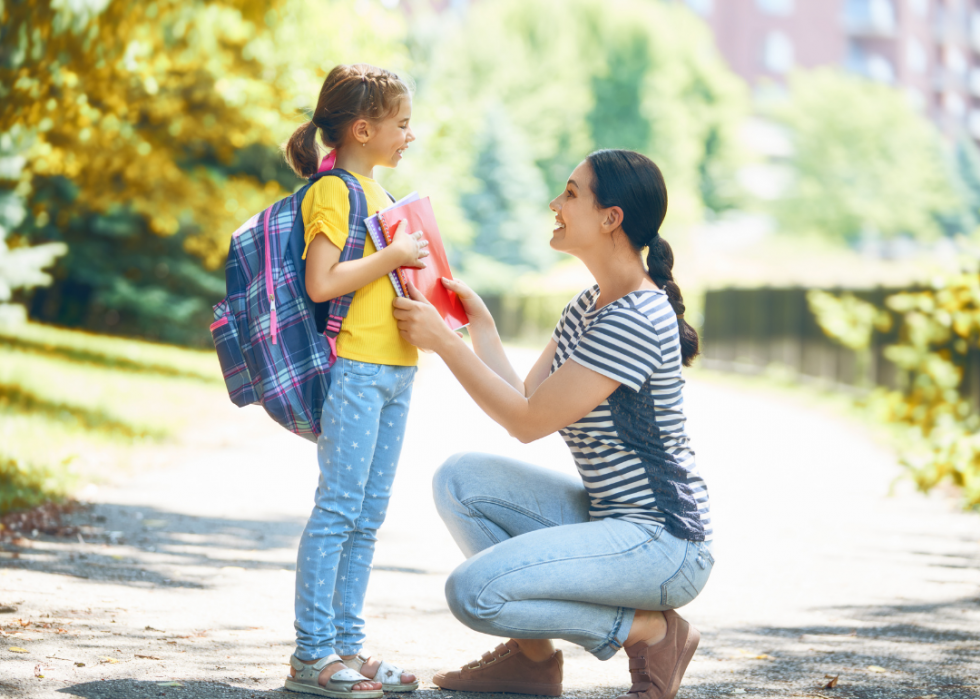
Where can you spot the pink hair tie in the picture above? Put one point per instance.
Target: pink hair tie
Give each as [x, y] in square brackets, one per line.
[328, 161]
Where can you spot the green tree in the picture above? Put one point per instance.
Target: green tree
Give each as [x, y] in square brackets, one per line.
[572, 76]
[140, 122]
[863, 163]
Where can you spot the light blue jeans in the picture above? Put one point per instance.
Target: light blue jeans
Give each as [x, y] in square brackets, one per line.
[363, 425]
[539, 568]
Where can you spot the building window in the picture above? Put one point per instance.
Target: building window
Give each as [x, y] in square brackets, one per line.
[954, 104]
[776, 7]
[916, 57]
[778, 53]
[702, 7]
[956, 61]
[919, 7]
[870, 17]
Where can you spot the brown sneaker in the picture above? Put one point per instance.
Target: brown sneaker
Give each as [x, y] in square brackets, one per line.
[657, 670]
[506, 669]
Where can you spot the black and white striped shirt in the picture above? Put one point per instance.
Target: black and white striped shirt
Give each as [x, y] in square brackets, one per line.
[632, 451]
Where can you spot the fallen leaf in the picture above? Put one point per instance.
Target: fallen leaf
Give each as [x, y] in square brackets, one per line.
[150, 628]
[876, 668]
[763, 656]
[15, 649]
[147, 657]
[7, 609]
[79, 664]
[108, 660]
[832, 683]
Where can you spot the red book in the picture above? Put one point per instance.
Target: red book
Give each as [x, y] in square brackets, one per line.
[428, 281]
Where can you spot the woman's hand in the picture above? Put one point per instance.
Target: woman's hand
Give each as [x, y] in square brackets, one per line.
[476, 311]
[420, 323]
[408, 248]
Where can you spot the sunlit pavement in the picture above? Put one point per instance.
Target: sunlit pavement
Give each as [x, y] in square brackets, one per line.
[183, 585]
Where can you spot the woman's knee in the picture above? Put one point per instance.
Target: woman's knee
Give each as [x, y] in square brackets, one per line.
[449, 478]
[463, 587]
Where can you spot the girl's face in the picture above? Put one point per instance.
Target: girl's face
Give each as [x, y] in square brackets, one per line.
[392, 135]
[578, 221]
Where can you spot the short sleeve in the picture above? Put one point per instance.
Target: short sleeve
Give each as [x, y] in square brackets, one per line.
[621, 344]
[326, 208]
[560, 327]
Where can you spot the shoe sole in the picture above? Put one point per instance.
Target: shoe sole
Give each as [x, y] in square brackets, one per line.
[690, 646]
[400, 687]
[294, 686]
[544, 689]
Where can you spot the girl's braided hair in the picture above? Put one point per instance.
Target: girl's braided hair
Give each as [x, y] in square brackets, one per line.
[349, 93]
[635, 184]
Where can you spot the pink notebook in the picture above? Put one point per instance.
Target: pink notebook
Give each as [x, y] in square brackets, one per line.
[428, 281]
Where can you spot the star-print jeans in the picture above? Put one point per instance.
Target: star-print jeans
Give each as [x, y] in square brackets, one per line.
[363, 428]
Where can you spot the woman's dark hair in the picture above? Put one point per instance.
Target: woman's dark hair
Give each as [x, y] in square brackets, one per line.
[349, 93]
[635, 184]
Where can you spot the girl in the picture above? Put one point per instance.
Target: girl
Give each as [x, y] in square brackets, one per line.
[600, 561]
[363, 113]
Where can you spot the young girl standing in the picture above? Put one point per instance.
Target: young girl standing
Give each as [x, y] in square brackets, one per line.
[363, 113]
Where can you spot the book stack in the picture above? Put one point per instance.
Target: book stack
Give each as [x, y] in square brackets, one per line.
[419, 216]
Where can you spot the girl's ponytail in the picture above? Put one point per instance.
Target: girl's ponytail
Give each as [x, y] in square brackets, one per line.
[349, 93]
[302, 152]
[635, 184]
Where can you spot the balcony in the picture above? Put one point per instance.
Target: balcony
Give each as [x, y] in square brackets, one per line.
[870, 18]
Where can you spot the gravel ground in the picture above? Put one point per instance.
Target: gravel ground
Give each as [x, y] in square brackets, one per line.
[180, 582]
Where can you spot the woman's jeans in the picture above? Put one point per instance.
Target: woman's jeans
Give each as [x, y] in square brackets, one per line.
[539, 568]
[363, 425]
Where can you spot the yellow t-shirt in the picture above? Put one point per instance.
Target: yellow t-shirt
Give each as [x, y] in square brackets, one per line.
[369, 333]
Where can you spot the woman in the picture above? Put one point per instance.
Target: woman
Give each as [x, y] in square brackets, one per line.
[600, 561]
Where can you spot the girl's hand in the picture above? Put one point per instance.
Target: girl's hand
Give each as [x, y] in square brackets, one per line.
[476, 311]
[420, 323]
[409, 248]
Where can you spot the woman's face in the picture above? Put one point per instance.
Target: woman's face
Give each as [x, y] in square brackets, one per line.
[577, 219]
[392, 135]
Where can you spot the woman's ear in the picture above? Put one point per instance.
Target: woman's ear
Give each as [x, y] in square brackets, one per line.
[613, 219]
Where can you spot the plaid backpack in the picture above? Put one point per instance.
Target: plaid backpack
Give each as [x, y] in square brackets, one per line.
[266, 329]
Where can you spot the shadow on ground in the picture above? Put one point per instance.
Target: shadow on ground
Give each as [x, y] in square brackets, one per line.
[148, 547]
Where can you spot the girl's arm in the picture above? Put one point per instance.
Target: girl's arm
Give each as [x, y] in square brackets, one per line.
[558, 401]
[329, 278]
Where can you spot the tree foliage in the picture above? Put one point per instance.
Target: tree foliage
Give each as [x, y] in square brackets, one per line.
[143, 134]
[863, 163]
[937, 329]
[562, 78]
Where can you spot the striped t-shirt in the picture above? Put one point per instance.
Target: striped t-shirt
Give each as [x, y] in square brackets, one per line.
[632, 451]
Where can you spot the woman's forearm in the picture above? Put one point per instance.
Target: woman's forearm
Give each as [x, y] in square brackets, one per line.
[489, 348]
[496, 395]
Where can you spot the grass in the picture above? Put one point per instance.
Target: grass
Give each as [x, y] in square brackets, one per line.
[75, 405]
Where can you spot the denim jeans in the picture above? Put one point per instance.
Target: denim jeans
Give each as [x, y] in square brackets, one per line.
[363, 425]
[537, 567]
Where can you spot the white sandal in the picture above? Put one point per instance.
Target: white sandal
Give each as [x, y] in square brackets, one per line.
[390, 676]
[339, 686]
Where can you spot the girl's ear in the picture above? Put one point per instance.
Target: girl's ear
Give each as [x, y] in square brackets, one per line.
[613, 219]
[361, 130]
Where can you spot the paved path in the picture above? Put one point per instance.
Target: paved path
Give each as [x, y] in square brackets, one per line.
[183, 585]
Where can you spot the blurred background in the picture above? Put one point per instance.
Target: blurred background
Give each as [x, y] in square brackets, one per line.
[821, 156]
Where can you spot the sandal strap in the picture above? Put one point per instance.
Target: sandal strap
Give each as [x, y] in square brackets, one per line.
[305, 671]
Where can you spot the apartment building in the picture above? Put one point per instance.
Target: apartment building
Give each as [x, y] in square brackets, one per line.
[929, 48]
